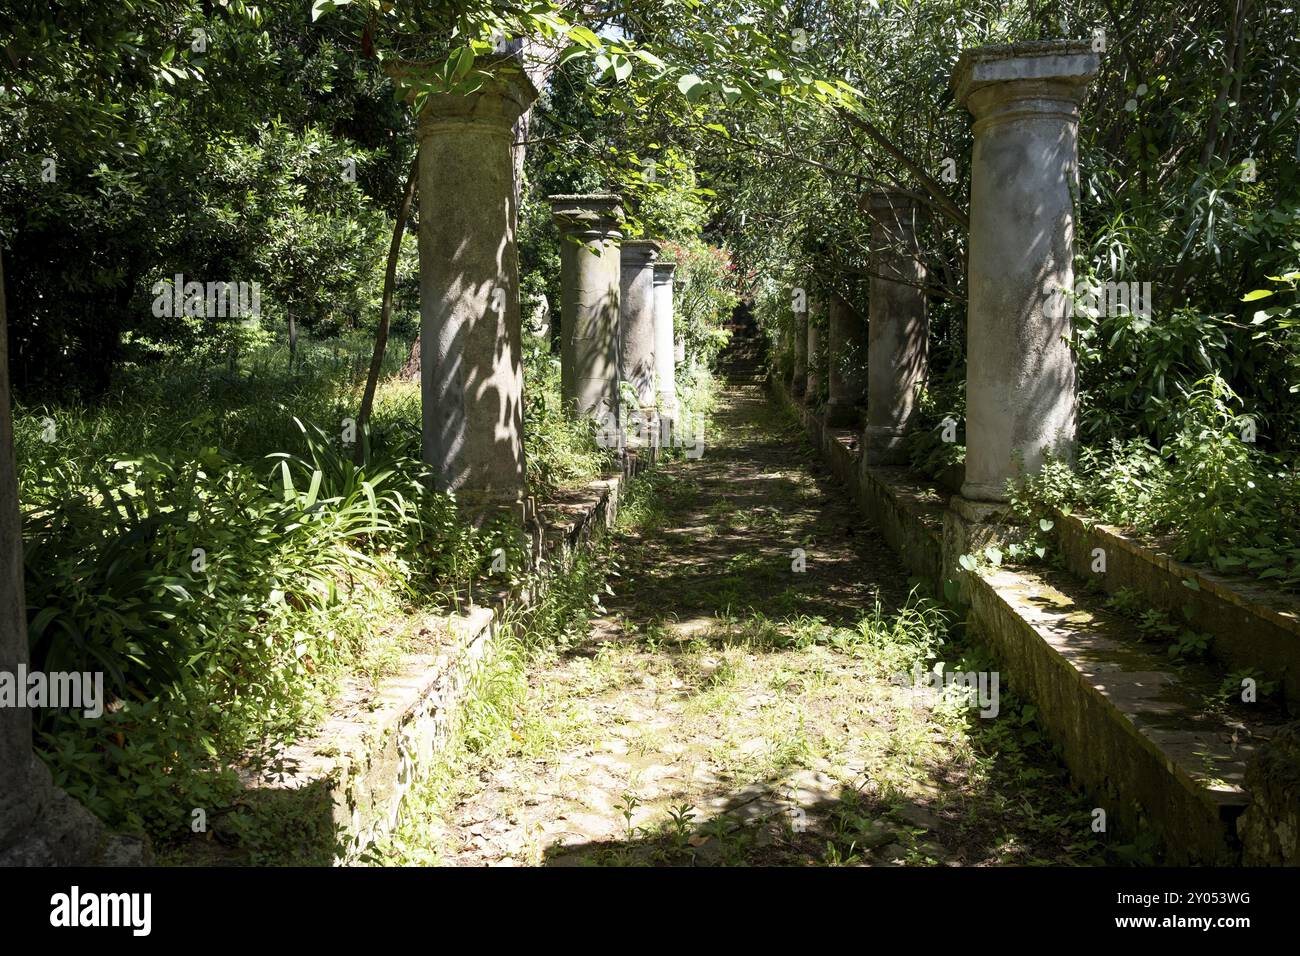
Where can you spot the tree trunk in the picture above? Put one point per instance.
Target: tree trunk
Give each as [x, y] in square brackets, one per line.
[17, 806]
[386, 311]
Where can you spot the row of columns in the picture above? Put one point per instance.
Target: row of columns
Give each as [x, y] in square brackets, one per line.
[616, 298]
[616, 313]
[1021, 390]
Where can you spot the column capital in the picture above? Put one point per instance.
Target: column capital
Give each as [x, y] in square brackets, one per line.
[505, 94]
[881, 203]
[590, 215]
[664, 272]
[639, 253]
[1044, 76]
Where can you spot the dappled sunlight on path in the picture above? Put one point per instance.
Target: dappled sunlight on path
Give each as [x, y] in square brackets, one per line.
[726, 708]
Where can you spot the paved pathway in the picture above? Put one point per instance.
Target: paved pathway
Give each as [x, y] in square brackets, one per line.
[726, 708]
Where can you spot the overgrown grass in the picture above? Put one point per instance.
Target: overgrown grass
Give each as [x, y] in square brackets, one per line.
[203, 538]
[1228, 504]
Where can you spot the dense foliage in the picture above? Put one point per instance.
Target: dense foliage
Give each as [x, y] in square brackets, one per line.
[194, 522]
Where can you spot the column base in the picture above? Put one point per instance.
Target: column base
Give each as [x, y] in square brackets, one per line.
[968, 528]
[842, 414]
[65, 833]
[884, 446]
[985, 491]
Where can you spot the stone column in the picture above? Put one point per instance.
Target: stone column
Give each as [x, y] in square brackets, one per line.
[665, 352]
[898, 327]
[846, 362]
[636, 311]
[816, 356]
[471, 379]
[590, 274]
[1020, 379]
[799, 374]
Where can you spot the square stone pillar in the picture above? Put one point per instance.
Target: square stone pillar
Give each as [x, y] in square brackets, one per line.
[846, 362]
[636, 311]
[898, 327]
[1020, 373]
[590, 274]
[664, 352]
[471, 376]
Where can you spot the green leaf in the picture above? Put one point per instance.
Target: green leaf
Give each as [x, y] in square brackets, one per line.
[462, 61]
[584, 37]
[647, 57]
[320, 6]
[692, 87]
[1256, 294]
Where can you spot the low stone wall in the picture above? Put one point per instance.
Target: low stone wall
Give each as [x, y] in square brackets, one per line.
[1133, 729]
[331, 796]
[1254, 627]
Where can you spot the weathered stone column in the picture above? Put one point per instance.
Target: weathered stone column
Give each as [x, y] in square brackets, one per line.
[816, 351]
[665, 353]
[590, 273]
[471, 375]
[799, 374]
[636, 311]
[1020, 378]
[898, 327]
[846, 361]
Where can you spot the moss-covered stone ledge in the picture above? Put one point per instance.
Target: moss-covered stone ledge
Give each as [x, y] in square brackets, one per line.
[1137, 732]
[326, 799]
[1255, 627]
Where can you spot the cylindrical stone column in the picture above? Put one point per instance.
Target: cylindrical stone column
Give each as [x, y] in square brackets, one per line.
[665, 353]
[799, 374]
[898, 327]
[471, 377]
[846, 361]
[590, 274]
[816, 350]
[1020, 378]
[636, 310]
